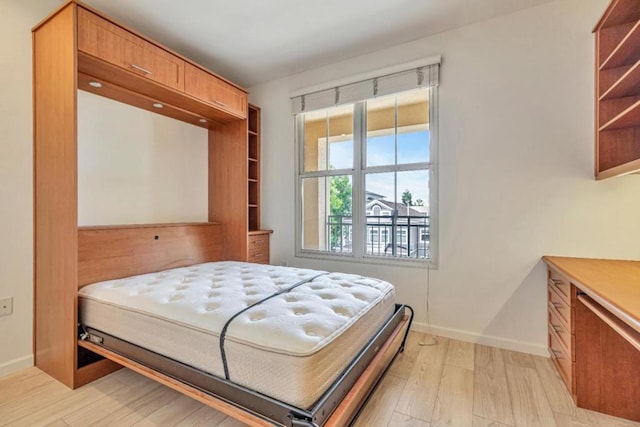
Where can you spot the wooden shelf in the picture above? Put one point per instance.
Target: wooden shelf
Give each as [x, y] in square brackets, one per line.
[258, 248]
[617, 79]
[626, 52]
[624, 169]
[627, 85]
[630, 117]
[618, 13]
[164, 224]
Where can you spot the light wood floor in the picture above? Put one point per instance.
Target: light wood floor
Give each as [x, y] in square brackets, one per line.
[449, 384]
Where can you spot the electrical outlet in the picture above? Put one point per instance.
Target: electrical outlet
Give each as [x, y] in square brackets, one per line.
[6, 306]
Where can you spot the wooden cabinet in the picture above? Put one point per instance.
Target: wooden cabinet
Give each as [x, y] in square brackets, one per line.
[78, 48]
[561, 317]
[111, 43]
[231, 99]
[594, 331]
[618, 90]
[215, 91]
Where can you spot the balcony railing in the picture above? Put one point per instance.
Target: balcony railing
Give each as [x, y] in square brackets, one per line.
[387, 235]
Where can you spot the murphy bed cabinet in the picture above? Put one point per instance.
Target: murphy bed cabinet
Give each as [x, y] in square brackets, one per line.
[618, 90]
[77, 47]
[258, 240]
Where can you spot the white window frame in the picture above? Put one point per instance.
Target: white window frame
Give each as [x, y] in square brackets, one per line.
[359, 239]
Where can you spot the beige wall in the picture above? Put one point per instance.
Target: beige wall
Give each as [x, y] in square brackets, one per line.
[135, 166]
[516, 171]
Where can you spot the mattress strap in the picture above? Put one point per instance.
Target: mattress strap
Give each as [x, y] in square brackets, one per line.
[223, 334]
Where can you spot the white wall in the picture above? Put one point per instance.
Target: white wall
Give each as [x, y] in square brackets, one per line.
[16, 177]
[516, 171]
[152, 169]
[137, 167]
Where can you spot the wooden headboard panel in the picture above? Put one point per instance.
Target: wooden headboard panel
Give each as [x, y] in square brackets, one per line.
[112, 252]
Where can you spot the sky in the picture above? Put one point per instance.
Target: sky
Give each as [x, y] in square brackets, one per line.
[413, 147]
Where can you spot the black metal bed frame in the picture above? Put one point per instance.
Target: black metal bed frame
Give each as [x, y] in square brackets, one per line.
[263, 406]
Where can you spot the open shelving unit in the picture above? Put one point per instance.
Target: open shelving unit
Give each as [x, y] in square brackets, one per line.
[618, 90]
[257, 239]
[253, 184]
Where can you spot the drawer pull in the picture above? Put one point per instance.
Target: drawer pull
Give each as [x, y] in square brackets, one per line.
[557, 354]
[222, 104]
[144, 70]
[555, 282]
[556, 328]
[557, 305]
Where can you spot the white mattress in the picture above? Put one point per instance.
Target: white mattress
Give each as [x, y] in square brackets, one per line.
[291, 347]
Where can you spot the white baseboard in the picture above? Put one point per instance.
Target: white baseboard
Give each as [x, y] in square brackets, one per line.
[15, 365]
[504, 343]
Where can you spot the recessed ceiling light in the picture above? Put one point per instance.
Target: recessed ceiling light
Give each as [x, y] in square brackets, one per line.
[203, 120]
[95, 84]
[158, 105]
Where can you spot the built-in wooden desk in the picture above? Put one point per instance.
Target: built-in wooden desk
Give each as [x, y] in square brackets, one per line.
[594, 331]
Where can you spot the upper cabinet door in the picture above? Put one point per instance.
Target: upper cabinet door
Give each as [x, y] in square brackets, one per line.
[231, 98]
[111, 43]
[215, 91]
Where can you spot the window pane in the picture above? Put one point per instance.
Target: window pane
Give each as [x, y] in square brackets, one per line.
[413, 127]
[381, 124]
[328, 139]
[413, 214]
[326, 213]
[379, 210]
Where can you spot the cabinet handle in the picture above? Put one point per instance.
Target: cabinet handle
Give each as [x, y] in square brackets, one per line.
[556, 353]
[557, 305]
[222, 104]
[144, 70]
[556, 328]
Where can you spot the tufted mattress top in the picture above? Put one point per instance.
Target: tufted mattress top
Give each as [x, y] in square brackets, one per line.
[313, 330]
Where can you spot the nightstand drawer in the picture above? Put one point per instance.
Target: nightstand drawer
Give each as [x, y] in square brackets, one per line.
[258, 248]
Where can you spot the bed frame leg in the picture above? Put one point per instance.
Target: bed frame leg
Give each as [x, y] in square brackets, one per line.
[300, 422]
[406, 333]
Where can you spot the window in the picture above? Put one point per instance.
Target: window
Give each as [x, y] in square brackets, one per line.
[366, 177]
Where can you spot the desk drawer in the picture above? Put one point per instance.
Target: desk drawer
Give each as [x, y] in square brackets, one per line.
[258, 248]
[563, 309]
[563, 286]
[562, 360]
[564, 334]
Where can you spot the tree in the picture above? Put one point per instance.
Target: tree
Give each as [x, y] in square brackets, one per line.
[340, 191]
[407, 198]
[419, 202]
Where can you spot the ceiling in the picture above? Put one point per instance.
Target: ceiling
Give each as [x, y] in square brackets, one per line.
[254, 41]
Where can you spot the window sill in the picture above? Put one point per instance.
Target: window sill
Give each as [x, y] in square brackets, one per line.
[393, 262]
